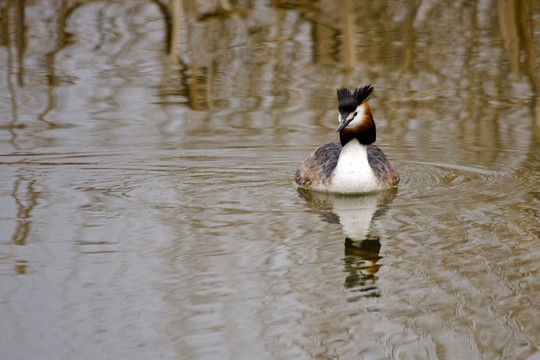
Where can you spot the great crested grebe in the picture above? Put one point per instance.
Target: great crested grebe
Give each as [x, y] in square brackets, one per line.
[353, 165]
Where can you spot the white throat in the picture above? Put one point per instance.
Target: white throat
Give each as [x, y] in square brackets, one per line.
[353, 173]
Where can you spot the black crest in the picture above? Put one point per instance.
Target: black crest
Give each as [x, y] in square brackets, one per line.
[348, 99]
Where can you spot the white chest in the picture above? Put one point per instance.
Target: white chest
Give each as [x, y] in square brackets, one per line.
[353, 173]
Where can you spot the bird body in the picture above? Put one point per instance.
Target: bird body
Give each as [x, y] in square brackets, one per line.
[353, 165]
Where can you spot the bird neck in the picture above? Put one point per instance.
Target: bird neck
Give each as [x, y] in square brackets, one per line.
[364, 132]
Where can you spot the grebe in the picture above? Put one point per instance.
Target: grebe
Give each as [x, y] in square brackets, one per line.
[353, 165]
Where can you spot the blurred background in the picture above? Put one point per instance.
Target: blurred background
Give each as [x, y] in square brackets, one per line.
[147, 158]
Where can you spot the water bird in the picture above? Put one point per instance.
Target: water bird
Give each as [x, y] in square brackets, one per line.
[353, 165]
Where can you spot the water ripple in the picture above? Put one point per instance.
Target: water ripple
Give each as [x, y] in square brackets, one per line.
[427, 179]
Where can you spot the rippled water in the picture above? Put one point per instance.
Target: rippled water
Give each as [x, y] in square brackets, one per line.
[148, 209]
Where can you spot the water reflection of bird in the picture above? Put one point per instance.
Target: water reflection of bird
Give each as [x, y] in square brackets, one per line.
[355, 214]
[353, 165]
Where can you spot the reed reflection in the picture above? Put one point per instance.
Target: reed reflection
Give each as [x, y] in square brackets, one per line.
[362, 247]
[25, 196]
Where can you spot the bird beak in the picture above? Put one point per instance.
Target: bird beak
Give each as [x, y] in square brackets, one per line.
[343, 123]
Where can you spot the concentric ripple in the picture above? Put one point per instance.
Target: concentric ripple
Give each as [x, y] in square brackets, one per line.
[421, 179]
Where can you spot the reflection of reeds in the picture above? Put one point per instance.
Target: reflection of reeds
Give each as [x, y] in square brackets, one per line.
[5, 40]
[20, 39]
[61, 41]
[511, 32]
[347, 14]
[25, 197]
[177, 14]
[517, 32]
[5, 33]
[218, 51]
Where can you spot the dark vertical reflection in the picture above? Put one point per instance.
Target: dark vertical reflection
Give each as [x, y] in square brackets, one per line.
[325, 41]
[509, 25]
[347, 21]
[20, 40]
[6, 41]
[25, 197]
[517, 31]
[4, 22]
[174, 35]
[61, 40]
[172, 17]
[526, 31]
[408, 33]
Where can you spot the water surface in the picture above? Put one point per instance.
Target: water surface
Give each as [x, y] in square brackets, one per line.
[147, 159]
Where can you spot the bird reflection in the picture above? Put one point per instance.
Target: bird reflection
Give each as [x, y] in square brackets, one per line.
[355, 214]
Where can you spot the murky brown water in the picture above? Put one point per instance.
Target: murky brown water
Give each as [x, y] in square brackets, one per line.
[147, 202]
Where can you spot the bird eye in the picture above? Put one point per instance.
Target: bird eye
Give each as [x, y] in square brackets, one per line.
[355, 113]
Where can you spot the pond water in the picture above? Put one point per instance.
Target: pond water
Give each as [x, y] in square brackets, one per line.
[147, 203]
